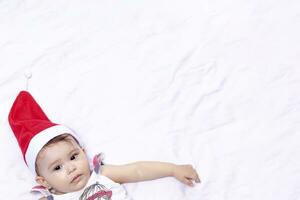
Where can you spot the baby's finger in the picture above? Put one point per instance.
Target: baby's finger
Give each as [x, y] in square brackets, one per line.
[188, 182]
[193, 175]
[198, 179]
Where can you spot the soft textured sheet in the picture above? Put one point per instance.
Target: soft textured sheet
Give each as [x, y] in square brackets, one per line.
[208, 82]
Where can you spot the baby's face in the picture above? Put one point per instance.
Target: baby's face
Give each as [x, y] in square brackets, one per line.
[64, 167]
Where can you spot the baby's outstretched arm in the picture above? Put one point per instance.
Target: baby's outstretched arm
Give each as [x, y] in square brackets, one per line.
[148, 170]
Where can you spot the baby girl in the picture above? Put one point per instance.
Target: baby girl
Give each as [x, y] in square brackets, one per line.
[56, 157]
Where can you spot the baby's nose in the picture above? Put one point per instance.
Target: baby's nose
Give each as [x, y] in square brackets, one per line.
[71, 168]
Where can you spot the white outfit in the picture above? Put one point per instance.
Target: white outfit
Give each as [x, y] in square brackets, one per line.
[98, 187]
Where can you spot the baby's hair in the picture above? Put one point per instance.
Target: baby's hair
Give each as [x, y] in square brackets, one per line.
[63, 137]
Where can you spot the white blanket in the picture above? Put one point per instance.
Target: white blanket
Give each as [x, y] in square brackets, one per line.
[212, 83]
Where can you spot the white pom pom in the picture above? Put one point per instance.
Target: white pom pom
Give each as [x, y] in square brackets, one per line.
[28, 74]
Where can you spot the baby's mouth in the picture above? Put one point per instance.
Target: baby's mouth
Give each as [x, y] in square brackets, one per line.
[76, 178]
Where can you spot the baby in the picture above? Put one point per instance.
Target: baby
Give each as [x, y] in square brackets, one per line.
[63, 167]
[56, 157]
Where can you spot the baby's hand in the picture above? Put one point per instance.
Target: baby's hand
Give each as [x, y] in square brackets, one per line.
[186, 174]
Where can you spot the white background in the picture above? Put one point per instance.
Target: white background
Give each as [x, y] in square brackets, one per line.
[212, 83]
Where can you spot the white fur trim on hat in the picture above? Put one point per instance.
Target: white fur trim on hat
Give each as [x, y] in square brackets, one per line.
[40, 139]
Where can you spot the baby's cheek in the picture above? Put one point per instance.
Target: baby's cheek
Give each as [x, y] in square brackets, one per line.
[58, 178]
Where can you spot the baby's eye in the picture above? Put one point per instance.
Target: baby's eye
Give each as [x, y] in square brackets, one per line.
[74, 156]
[58, 167]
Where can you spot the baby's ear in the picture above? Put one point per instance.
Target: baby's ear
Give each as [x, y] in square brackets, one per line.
[42, 181]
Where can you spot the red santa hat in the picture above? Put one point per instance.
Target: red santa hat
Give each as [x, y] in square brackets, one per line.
[32, 128]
